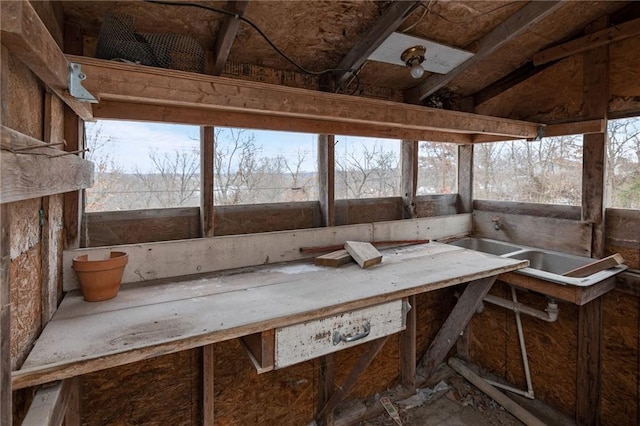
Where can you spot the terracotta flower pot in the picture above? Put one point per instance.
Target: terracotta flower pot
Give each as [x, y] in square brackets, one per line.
[100, 279]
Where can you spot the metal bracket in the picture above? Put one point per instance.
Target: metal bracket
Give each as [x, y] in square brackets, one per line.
[75, 84]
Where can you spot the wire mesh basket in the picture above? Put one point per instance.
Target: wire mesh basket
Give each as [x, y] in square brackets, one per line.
[118, 39]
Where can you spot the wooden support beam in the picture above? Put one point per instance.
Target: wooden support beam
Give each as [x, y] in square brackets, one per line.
[343, 390]
[390, 21]
[408, 348]
[585, 127]
[589, 380]
[208, 365]
[73, 414]
[409, 178]
[50, 404]
[5, 317]
[207, 154]
[506, 31]
[465, 179]
[26, 36]
[139, 84]
[326, 178]
[201, 116]
[507, 82]
[36, 174]
[590, 41]
[326, 377]
[227, 35]
[73, 201]
[455, 323]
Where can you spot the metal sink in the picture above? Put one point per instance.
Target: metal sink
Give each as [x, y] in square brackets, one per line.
[546, 265]
[486, 245]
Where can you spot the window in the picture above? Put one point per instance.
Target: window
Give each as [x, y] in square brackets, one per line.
[547, 171]
[437, 168]
[623, 164]
[259, 166]
[142, 165]
[366, 167]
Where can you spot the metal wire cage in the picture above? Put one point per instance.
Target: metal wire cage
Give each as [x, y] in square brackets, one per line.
[118, 39]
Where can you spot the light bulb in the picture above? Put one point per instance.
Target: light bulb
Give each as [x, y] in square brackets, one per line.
[416, 70]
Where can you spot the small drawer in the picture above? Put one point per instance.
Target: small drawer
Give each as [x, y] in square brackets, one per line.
[311, 339]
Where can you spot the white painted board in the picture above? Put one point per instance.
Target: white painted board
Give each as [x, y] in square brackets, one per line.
[311, 339]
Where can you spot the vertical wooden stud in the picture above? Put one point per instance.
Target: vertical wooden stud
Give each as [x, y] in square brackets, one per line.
[207, 154]
[596, 102]
[208, 364]
[465, 179]
[326, 377]
[73, 201]
[326, 179]
[408, 348]
[73, 416]
[409, 178]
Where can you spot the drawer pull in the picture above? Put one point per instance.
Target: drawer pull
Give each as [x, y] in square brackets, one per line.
[339, 337]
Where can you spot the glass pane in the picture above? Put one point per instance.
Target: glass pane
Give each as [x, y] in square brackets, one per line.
[623, 164]
[367, 167]
[437, 168]
[547, 171]
[142, 165]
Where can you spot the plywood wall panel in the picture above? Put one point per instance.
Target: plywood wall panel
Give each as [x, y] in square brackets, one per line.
[620, 392]
[25, 304]
[23, 98]
[624, 77]
[157, 391]
[242, 397]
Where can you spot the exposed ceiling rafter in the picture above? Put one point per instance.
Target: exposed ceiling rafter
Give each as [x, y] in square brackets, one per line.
[227, 35]
[389, 22]
[509, 29]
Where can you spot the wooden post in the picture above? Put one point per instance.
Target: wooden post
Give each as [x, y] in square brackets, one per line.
[326, 376]
[208, 364]
[465, 179]
[73, 201]
[207, 155]
[73, 415]
[409, 178]
[596, 101]
[5, 317]
[408, 348]
[326, 179]
[456, 322]
[589, 382]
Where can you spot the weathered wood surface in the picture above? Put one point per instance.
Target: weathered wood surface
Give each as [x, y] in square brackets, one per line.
[596, 266]
[564, 235]
[589, 381]
[408, 347]
[27, 37]
[159, 260]
[27, 176]
[327, 178]
[133, 83]
[49, 404]
[5, 317]
[207, 154]
[365, 254]
[149, 320]
[335, 259]
[409, 178]
[208, 390]
[529, 209]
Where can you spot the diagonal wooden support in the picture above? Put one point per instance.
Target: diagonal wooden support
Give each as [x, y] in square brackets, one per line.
[456, 322]
[227, 35]
[340, 392]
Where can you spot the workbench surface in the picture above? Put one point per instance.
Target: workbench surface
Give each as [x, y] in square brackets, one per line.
[164, 316]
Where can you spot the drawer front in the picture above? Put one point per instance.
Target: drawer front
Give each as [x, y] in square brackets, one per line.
[311, 339]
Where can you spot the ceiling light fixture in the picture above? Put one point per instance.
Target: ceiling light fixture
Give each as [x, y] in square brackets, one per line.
[413, 57]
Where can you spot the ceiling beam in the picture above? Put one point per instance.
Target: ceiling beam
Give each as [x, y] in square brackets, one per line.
[507, 82]
[147, 85]
[390, 21]
[588, 42]
[227, 35]
[505, 32]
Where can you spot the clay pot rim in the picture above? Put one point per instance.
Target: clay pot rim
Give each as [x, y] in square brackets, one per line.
[117, 259]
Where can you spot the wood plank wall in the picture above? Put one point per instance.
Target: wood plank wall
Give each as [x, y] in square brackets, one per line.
[552, 347]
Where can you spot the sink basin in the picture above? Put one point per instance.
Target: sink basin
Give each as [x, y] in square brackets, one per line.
[486, 245]
[546, 265]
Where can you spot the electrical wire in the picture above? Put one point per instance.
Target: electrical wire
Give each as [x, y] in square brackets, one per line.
[255, 27]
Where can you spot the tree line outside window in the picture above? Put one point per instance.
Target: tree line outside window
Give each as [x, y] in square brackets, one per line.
[248, 170]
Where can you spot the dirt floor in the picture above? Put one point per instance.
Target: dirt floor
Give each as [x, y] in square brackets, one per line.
[455, 403]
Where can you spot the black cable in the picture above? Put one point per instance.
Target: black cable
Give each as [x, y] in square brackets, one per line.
[255, 27]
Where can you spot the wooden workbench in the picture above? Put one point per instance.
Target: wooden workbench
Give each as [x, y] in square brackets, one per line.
[156, 318]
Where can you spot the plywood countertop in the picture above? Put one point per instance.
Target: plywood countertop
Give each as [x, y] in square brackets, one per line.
[161, 317]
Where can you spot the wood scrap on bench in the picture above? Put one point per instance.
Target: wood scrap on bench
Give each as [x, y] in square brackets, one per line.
[321, 249]
[596, 266]
[365, 254]
[336, 258]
